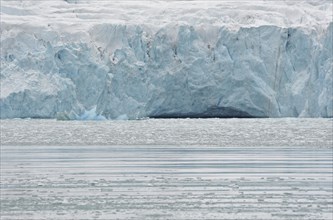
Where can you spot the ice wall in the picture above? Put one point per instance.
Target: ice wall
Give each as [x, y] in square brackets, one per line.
[179, 69]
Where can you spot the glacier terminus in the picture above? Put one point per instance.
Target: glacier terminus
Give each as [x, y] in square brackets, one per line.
[130, 60]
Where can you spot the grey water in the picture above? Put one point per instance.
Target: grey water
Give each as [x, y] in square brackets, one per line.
[167, 169]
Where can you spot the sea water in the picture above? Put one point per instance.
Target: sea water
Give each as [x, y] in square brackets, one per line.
[167, 169]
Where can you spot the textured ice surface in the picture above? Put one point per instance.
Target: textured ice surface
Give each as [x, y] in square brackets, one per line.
[134, 59]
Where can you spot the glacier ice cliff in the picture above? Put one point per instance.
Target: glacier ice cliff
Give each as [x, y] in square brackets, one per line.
[116, 70]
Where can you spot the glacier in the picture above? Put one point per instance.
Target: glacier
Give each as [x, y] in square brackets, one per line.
[100, 60]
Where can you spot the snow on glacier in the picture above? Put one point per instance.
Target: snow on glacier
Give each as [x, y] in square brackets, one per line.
[133, 59]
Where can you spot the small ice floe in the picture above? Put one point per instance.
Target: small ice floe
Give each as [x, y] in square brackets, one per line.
[86, 115]
[91, 115]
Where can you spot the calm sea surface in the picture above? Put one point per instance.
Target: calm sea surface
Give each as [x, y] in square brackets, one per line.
[167, 169]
